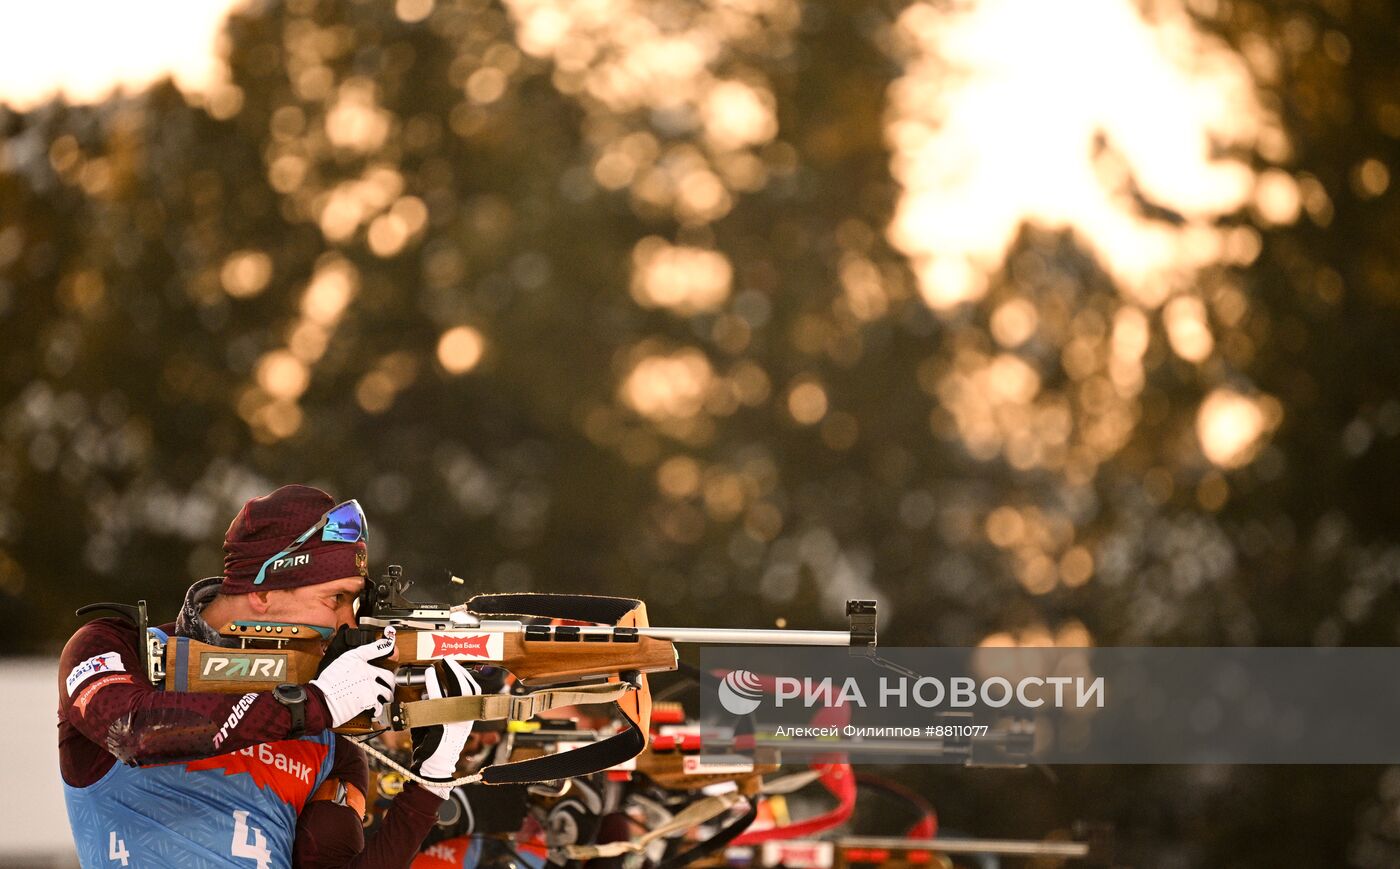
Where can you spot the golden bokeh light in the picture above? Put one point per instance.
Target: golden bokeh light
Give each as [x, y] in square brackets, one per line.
[738, 115]
[342, 213]
[308, 340]
[412, 211]
[486, 85]
[375, 392]
[1011, 380]
[625, 59]
[332, 287]
[387, 235]
[341, 209]
[998, 640]
[948, 281]
[1230, 426]
[1371, 178]
[668, 386]
[700, 197]
[356, 121]
[1040, 548]
[391, 374]
[678, 477]
[724, 496]
[1014, 322]
[1037, 573]
[1188, 330]
[1076, 567]
[282, 375]
[1277, 197]
[287, 172]
[246, 273]
[1005, 527]
[413, 11]
[1127, 344]
[997, 408]
[278, 420]
[807, 402]
[865, 294]
[1071, 634]
[460, 349]
[687, 280]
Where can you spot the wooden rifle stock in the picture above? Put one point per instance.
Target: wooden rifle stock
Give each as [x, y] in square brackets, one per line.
[273, 654]
[557, 655]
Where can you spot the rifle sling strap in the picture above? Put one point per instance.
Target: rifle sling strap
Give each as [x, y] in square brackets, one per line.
[715, 843]
[692, 816]
[490, 707]
[632, 704]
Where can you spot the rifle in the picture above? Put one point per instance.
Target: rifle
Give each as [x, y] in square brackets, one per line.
[679, 761]
[678, 772]
[670, 761]
[893, 852]
[603, 661]
[674, 784]
[795, 844]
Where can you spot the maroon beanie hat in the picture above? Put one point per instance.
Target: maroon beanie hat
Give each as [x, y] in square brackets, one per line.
[267, 525]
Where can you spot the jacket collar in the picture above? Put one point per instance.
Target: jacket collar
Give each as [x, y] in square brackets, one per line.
[191, 623]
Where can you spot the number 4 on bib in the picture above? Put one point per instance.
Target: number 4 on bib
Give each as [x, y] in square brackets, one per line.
[249, 842]
[116, 848]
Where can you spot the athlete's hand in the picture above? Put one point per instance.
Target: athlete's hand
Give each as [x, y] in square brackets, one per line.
[350, 683]
[437, 749]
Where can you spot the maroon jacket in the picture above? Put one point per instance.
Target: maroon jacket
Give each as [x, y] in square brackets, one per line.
[123, 717]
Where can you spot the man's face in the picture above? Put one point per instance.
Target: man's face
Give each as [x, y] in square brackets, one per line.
[325, 605]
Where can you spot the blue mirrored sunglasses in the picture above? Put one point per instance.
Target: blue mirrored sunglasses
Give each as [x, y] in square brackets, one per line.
[343, 523]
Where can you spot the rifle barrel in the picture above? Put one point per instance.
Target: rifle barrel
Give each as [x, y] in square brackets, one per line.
[1009, 847]
[749, 636]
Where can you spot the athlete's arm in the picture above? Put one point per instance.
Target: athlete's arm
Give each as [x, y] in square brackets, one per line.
[329, 831]
[104, 697]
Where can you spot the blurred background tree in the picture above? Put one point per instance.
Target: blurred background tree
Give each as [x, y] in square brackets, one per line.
[747, 308]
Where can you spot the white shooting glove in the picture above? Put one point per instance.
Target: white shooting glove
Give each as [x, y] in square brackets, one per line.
[437, 749]
[351, 684]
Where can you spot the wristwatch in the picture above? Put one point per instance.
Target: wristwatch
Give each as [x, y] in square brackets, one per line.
[294, 698]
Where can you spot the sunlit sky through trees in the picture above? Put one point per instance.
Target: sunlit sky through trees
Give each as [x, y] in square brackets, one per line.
[86, 48]
[992, 126]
